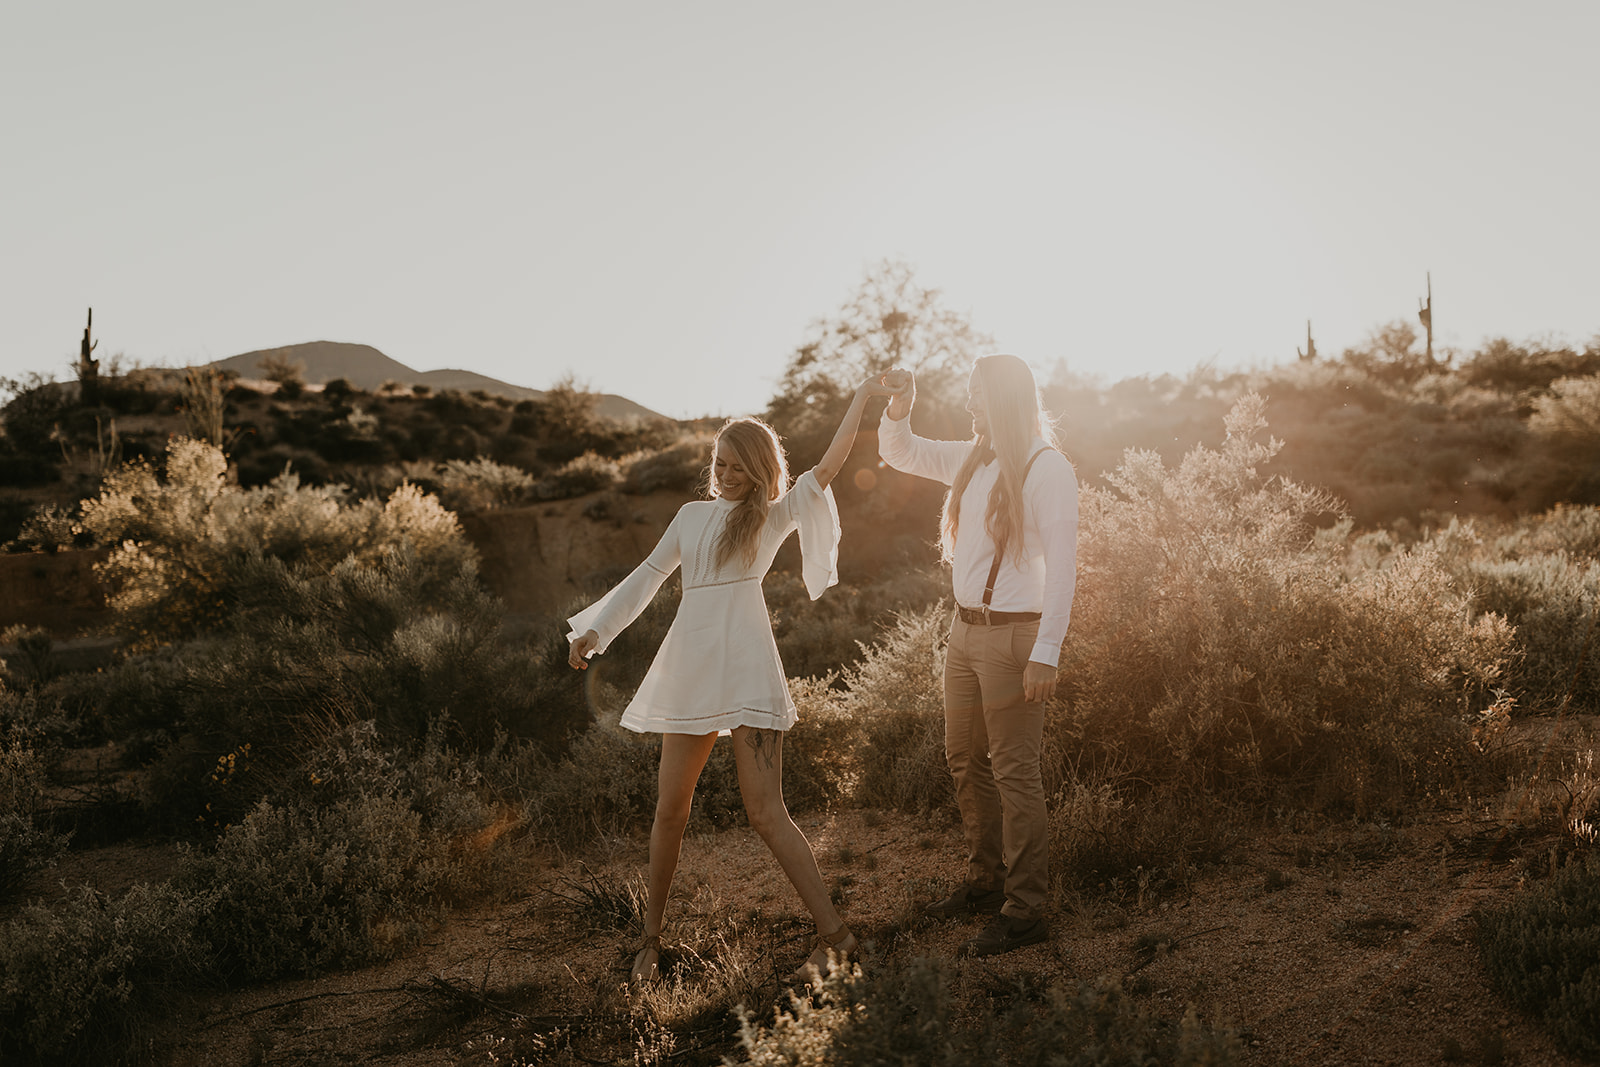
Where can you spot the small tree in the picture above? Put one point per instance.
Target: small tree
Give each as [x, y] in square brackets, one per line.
[567, 410]
[203, 404]
[1567, 421]
[288, 374]
[890, 321]
[1390, 354]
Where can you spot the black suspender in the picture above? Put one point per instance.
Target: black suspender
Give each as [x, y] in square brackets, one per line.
[1000, 550]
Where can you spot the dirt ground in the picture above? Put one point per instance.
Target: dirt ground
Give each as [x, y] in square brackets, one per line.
[1350, 945]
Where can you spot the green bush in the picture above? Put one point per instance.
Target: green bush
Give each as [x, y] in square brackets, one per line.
[1551, 599]
[906, 1015]
[31, 661]
[25, 844]
[77, 980]
[50, 528]
[358, 856]
[1573, 529]
[588, 473]
[681, 466]
[1217, 646]
[303, 888]
[1542, 952]
[1542, 573]
[895, 696]
[179, 539]
[349, 864]
[826, 635]
[305, 655]
[482, 483]
[605, 785]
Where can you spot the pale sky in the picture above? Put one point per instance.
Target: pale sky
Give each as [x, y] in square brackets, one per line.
[661, 197]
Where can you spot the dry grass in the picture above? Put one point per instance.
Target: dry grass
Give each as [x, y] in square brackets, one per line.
[1320, 944]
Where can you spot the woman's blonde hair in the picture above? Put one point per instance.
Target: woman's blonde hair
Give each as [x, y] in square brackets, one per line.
[1015, 416]
[757, 448]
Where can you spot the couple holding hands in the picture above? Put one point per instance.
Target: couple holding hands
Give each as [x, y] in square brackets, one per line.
[1009, 532]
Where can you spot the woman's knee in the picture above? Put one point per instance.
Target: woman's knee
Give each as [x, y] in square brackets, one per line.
[673, 812]
[766, 818]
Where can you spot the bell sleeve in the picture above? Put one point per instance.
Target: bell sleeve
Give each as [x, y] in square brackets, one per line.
[612, 613]
[812, 509]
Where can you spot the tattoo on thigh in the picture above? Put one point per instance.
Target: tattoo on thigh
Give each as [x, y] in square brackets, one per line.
[765, 745]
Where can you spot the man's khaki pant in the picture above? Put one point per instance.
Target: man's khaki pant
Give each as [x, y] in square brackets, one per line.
[992, 740]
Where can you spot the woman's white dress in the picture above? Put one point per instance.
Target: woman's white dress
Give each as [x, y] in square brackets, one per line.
[718, 666]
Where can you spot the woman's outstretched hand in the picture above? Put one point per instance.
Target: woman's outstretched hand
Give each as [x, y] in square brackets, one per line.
[901, 388]
[578, 657]
[876, 386]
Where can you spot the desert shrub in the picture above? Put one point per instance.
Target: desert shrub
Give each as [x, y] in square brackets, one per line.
[37, 404]
[566, 411]
[31, 660]
[180, 537]
[1527, 368]
[1566, 422]
[820, 750]
[138, 699]
[1541, 573]
[1542, 952]
[302, 887]
[78, 979]
[1216, 645]
[826, 635]
[1552, 600]
[895, 695]
[441, 785]
[1109, 836]
[339, 390]
[482, 483]
[350, 866]
[907, 1015]
[680, 466]
[50, 528]
[1574, 530]
[308, 653]
[588, 473]
[25, 843]
[605, 785]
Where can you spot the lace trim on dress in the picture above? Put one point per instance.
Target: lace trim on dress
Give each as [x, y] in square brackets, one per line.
[721, 715]
[730, 581]
[703, 548]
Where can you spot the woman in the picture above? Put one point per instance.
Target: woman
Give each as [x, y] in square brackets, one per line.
[718, 671]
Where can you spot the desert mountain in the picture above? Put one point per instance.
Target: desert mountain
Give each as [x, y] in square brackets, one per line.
[367, 368]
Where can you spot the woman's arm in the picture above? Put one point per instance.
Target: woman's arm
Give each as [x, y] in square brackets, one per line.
[596, 626]
[904, 450]
[832, 460]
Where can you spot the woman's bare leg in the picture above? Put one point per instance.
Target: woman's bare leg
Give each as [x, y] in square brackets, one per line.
[759, 755]
[683, 756]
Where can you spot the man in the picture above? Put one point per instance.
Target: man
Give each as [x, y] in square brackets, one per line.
[1009, 531]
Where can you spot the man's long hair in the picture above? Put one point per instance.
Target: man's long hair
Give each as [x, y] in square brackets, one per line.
[757, 448]
[1015, 416]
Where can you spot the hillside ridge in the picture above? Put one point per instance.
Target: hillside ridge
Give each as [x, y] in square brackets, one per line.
[366, 367]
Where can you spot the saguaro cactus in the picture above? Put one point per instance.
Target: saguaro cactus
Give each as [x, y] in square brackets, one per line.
[1310, 354]
[1425, 313]
[88, 367]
